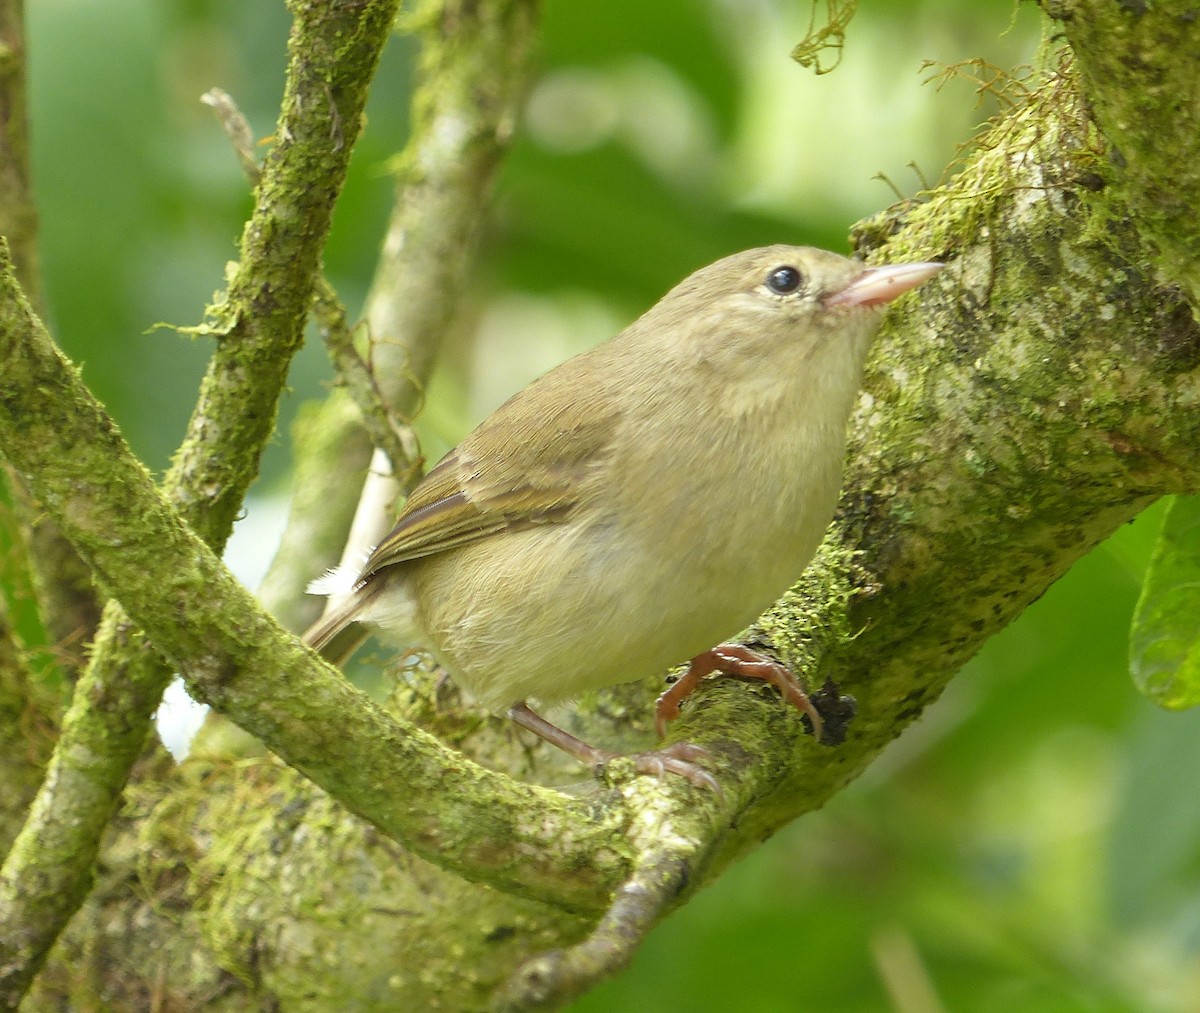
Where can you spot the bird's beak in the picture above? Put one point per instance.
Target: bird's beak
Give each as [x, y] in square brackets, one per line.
[877, 286]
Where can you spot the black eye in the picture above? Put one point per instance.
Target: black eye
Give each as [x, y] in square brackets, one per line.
[784, 280]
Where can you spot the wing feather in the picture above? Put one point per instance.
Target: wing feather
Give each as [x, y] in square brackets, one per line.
[525, 465]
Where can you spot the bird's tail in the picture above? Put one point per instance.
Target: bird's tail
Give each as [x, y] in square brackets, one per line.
[337, 634]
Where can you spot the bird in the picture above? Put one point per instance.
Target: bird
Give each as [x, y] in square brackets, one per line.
[639, 503]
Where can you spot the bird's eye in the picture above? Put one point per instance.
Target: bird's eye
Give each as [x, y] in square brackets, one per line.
[784, 280]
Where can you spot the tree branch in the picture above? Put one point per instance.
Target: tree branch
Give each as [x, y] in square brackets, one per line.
[69, 609]
[475, 61]
[334, 49]
[18, 214]
[1146, 99]
[235, 657]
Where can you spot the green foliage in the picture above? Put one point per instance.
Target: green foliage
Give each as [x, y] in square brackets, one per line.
[1163, 652]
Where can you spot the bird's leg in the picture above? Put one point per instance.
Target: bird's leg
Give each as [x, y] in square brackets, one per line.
[734, 659]
[674, 759]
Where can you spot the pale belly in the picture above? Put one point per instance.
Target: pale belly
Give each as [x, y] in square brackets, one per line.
[548, 613]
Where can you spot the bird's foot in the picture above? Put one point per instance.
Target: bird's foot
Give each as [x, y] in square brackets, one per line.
[679, 758]
[735, 659]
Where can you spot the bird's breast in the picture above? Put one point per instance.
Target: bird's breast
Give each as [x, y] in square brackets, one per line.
[742, 508]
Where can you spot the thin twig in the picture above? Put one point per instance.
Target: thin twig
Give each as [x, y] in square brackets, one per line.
[237, 129]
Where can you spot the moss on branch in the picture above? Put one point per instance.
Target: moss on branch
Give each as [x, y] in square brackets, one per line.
[234, 656]
[334, 49]
[1146, 98]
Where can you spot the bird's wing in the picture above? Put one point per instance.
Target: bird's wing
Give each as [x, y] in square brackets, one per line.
[527, 464]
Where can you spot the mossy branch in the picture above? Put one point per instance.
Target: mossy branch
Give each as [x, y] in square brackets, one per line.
[18, 213]
[237, 658]
[69, 609]
[1146, 98]
[334, 49]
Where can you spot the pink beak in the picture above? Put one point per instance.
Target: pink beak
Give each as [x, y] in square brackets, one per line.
[877, 286]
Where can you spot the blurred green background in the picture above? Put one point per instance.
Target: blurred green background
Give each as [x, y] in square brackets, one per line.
[1031, 844]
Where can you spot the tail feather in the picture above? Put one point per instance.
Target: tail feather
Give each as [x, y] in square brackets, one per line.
[330, 625]
[325, 635]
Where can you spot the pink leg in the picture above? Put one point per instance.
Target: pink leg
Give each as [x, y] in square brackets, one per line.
[675, 759]
[734, 659]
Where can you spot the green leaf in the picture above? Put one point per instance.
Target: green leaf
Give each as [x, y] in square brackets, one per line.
[1164, 644]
